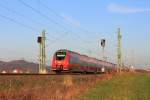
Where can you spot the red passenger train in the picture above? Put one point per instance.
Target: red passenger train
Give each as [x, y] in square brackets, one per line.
[69, 61]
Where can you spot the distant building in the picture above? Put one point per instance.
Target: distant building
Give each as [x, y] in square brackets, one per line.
[15, 71]
[27, 72]
[131, 68]
[148, 70]
[3, 72]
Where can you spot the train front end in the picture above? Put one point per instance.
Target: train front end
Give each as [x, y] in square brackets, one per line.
[60, 62]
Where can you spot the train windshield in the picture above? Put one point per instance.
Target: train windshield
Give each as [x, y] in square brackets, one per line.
[60, 55]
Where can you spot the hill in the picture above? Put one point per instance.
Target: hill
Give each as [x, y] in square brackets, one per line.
[21, 65]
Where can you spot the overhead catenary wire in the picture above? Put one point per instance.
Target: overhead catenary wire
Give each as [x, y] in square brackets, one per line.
[19, 14]
[19, 23]
[50, 19]
[61, 17]
[43, 15]
[54, 12]
[25, 17]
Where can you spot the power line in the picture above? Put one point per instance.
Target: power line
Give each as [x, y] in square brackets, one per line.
[41, 14]
[19, 23]
[47, 17]
[61, 17]
[50, 9]
[19, 14]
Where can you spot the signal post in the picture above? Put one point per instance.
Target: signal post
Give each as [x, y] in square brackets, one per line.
[103, 52]
[42, 56]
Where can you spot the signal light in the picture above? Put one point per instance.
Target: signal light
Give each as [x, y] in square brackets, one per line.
[103, 42]
[39, 40]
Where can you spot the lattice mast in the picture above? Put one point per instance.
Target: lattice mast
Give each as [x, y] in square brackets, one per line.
[119, 52]
[42, 57]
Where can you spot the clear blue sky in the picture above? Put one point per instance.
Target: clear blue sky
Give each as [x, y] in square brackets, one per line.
[76, 25]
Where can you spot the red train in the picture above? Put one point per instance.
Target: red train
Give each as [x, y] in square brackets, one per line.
[69, 61]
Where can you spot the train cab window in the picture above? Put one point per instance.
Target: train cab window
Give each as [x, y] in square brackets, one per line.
[60, 55]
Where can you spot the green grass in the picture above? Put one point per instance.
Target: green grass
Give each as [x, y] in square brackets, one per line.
[121, 87]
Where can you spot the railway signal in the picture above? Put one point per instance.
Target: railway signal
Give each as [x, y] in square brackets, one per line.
[42, 57]
[103, 42]
[39, 39]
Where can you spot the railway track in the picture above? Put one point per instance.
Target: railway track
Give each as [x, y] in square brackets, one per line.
[37, 74]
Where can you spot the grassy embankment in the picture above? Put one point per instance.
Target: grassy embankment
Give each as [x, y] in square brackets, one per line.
[121, 87]
[50, 87]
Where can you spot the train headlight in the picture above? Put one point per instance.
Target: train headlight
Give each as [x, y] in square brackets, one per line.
[103, 69]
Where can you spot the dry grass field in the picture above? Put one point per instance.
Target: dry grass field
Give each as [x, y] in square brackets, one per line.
[46, 87]
[125, 86]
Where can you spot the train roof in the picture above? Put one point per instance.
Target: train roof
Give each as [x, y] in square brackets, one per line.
[82, 55]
